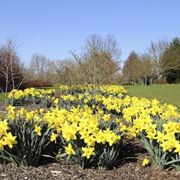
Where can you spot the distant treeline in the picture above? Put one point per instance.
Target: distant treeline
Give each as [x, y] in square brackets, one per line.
[98, 63]
[159, 64]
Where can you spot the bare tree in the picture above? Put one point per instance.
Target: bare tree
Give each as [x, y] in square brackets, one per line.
[11, 76]
[64, 72]
[156, 50]
[99, 60]
[39, 67]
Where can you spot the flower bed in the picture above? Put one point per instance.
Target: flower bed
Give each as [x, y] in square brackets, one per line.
[89, 127]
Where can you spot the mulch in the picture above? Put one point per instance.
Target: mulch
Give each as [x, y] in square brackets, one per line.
[61, 171]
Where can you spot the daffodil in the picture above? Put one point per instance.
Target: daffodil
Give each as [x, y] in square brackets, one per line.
[9, 140]
[145, 161]
[53, 137]
[69, 150]
[37, 130]
[88, 152]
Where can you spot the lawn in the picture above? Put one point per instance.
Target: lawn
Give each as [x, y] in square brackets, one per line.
[165, 93]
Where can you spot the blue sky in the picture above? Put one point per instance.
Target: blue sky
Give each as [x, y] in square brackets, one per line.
[54, 27]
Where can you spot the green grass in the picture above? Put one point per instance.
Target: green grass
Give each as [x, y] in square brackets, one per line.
[165, 93]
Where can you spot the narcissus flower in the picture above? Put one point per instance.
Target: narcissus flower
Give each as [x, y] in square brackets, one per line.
[88, 152]
[37, 130]
[69, 150]
[145, 162]
[53, 137]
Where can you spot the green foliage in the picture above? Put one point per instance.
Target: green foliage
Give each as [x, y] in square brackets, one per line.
[158, 156]
[108, 155]
[170, 61]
